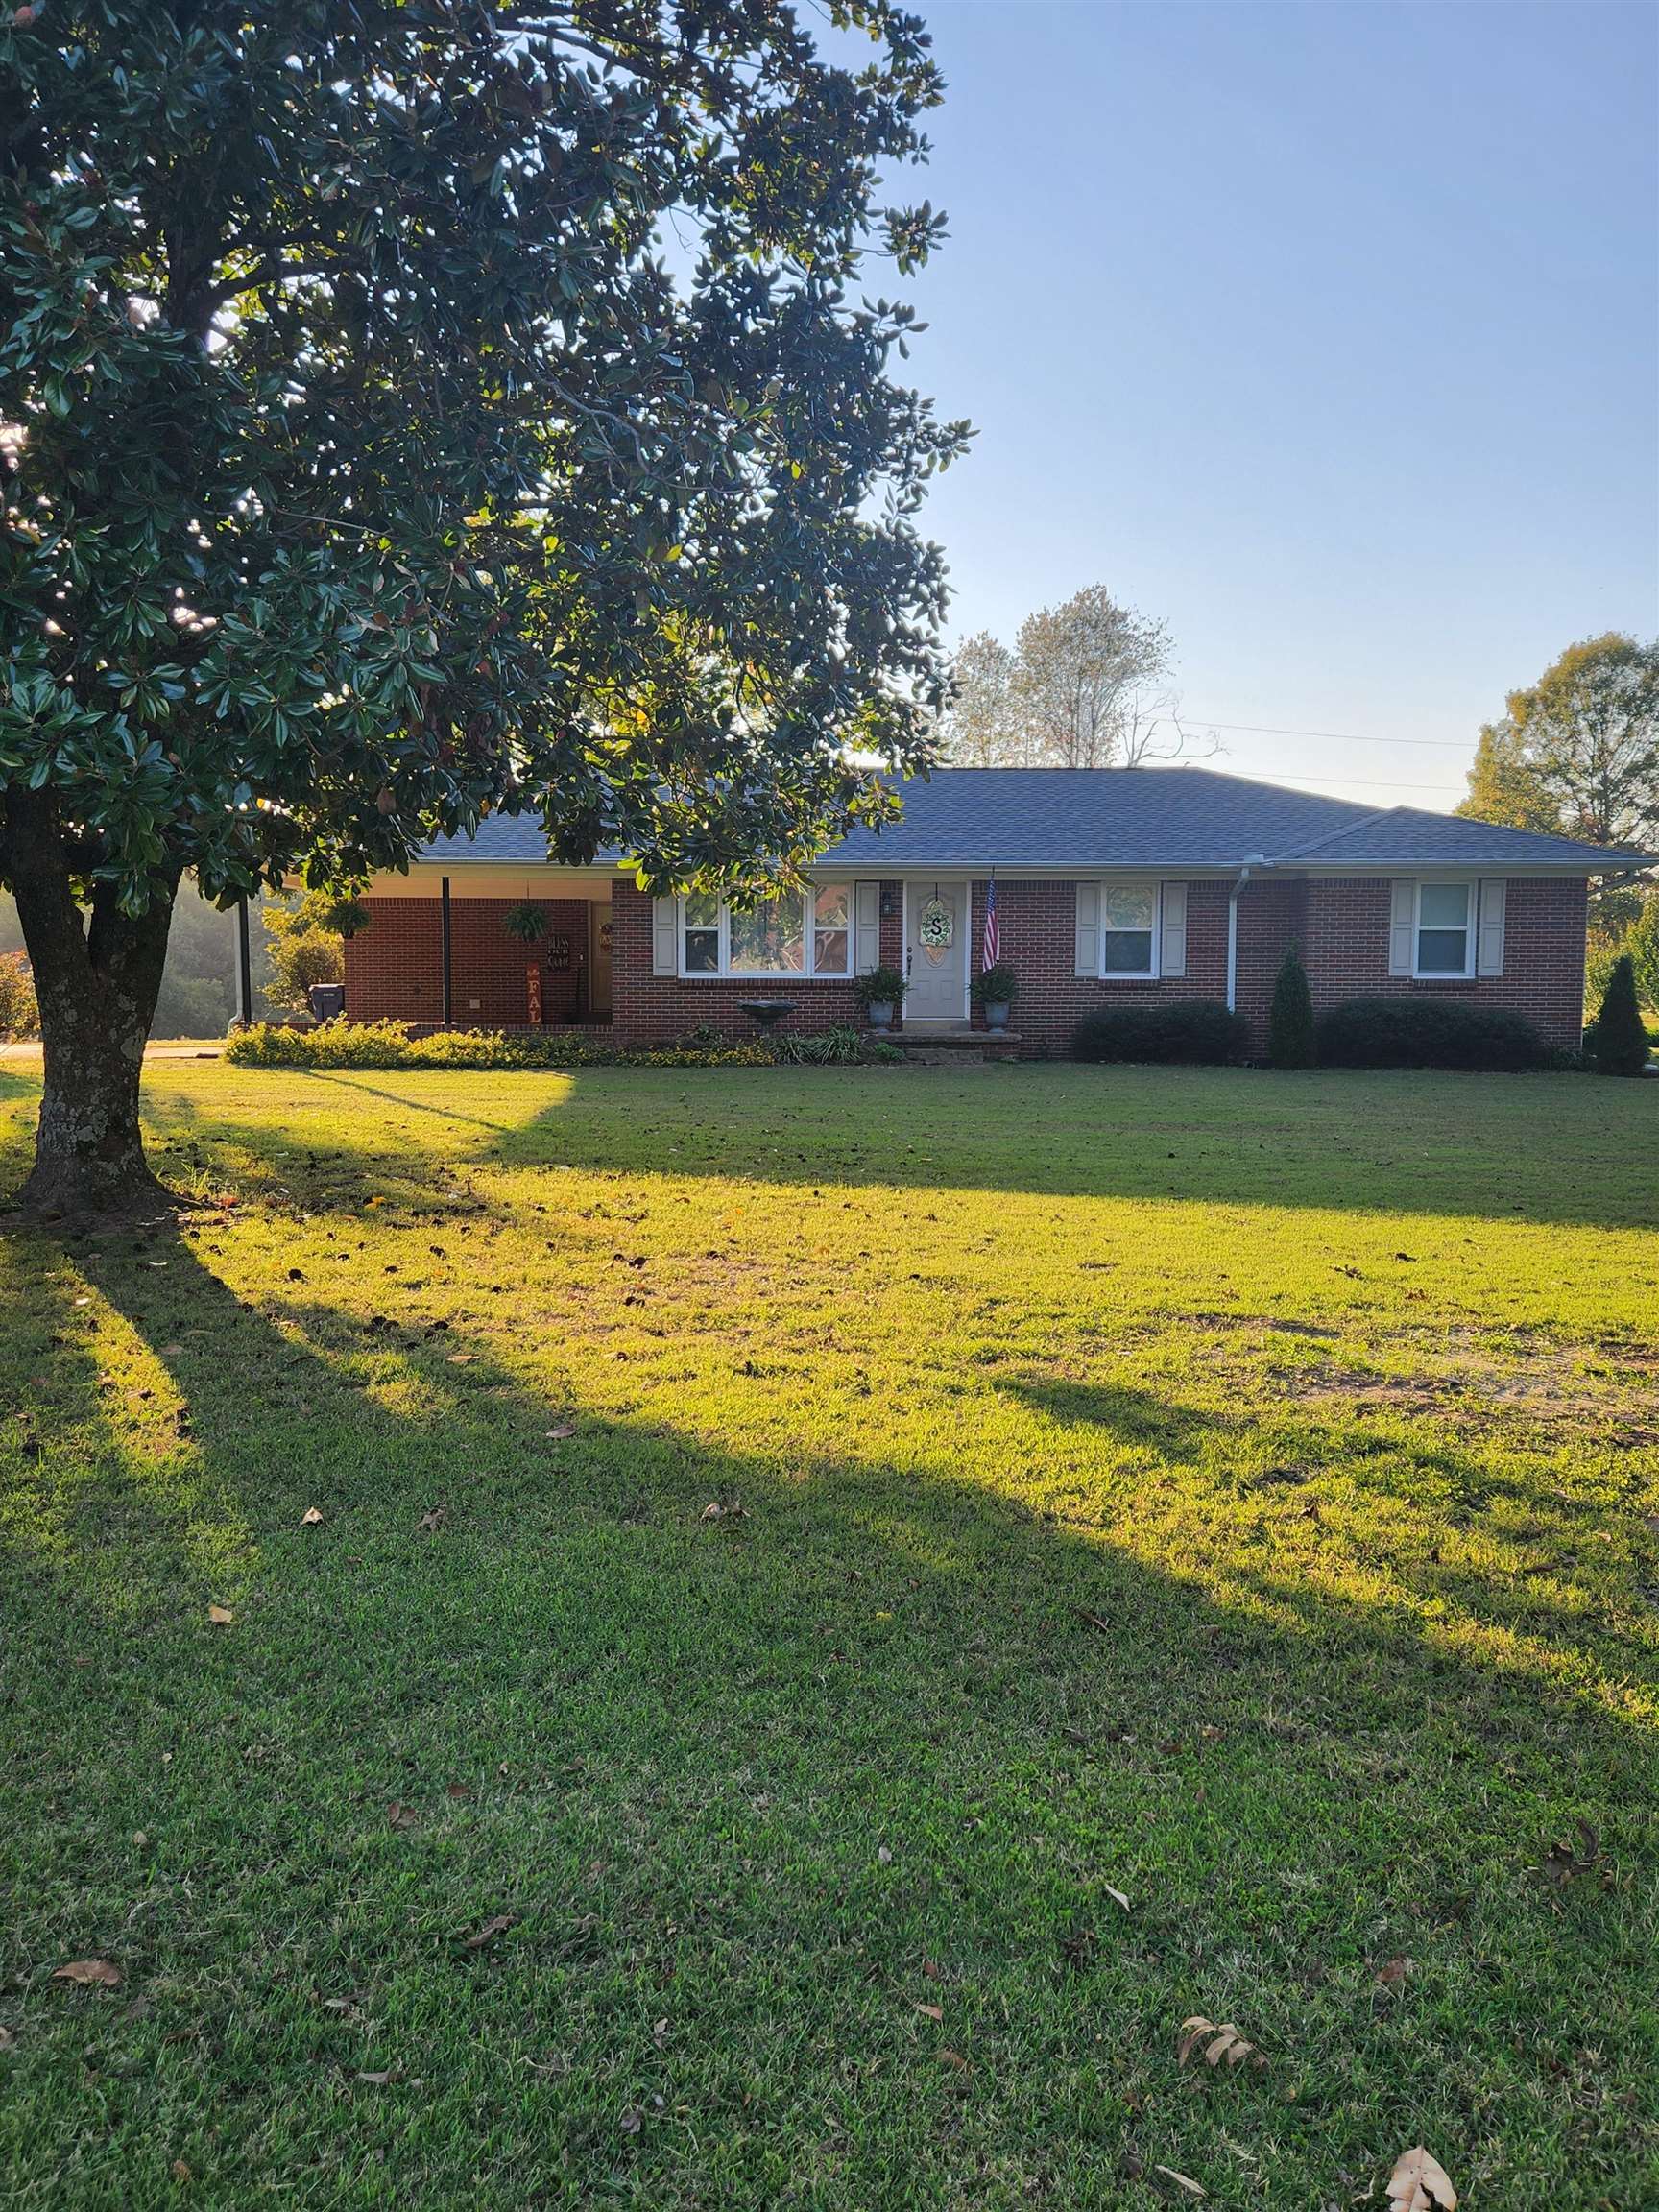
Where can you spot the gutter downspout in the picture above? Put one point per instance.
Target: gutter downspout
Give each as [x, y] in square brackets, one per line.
[1256, 860]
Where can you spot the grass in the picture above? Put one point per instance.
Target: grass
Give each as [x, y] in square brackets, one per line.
[1227, 1490]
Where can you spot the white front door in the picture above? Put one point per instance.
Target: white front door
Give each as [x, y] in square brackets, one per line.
[936, 951]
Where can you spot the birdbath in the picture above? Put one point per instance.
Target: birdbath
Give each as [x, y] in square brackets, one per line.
[766, 1013]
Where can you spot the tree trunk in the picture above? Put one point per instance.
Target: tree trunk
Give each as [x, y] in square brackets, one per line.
[96, 980]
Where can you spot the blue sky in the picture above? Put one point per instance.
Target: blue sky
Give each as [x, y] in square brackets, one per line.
[1330, 333]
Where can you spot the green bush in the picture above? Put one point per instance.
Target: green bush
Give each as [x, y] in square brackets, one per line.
[1427, 1033]
[1193, 1032]
[1290, 1040]
[996, 986]
[19, 1015]
[1617, 1039]
[881, 987]
[390, 1044]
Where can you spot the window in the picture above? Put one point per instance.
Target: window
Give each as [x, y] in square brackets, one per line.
[791, 936]
[1445, 913]
[1128, 928]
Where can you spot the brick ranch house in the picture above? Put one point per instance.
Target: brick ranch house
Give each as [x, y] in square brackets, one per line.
[1114, 886]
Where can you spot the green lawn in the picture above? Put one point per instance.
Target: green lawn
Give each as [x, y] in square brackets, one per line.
[1233, 1491]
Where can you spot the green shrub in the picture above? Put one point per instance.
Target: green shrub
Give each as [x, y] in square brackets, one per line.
[1193, 1032]
[1641, 943]
[881, 987]
[1290, 1041]
[1427, 1033]
[1617, 1041]
[996, 986]
[19, 1015]
[390, 1044]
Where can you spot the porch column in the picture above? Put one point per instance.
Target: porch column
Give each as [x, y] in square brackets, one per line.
[448, 983]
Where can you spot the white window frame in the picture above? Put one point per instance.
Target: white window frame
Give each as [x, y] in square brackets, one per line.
[779, 977]
[1152, 972]
[1471, 929]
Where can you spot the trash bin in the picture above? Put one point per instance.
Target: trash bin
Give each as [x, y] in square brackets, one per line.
[327, 1000]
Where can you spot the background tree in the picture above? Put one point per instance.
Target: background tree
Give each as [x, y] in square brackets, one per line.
[1290, 1041]
[367, 467]
[1641, 944]
[1084, 687]
[306, 942]
[978, 728]
[1577, 753]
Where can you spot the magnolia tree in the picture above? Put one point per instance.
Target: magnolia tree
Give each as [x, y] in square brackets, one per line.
[427, 407]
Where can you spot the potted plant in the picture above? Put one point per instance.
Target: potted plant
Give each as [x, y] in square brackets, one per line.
[878, 993]
[527, 923]
[993, 990]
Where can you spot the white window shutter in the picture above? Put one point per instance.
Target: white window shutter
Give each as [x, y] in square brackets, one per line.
[1489, 951]
[1401, 926]
[1088, 962]
[1172, 938]
[665, 936]
[866, 927]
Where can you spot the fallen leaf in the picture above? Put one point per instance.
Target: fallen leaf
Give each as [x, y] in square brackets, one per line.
[1420, 2183]
[402, 1815]
[499, 1926]
[883, 1856]
[430, 1523]
[948, 2058]
[89, 1974]
[221, 1616]
[81, 1300]
[7, 2038]
[931, 2012]
[1093, 1621]
[1225, 2042]
[1561, 1863]
[462, 1358]
[182, 2172]
[631, 2120]
[561, 1430]
[1116, 1895]
[1393, 1970]
[378, 2080]
[458, 1789]
[311, 1517]
[1181, 2180]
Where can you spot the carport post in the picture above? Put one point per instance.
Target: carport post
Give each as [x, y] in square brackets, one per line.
[449, 994]
[244, 968]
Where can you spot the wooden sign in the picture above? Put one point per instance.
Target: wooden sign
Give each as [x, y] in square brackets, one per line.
[558, 951]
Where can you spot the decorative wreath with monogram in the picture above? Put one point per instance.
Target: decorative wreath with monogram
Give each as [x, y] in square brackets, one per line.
[937, 928]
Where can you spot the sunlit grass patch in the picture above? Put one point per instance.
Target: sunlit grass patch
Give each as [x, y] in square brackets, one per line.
[798, 1547]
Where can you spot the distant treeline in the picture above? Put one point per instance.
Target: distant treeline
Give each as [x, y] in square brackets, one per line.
[199, 988]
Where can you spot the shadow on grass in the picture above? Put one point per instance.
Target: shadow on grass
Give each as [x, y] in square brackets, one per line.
[686, 1733]
[1529, 1148]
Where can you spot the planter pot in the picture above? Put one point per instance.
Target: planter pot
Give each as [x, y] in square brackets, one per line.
[997, 1014]
[882, 1014]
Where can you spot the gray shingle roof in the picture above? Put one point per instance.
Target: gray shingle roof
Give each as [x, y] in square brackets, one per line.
[1049, 819]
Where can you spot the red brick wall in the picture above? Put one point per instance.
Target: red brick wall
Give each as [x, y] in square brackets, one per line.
[1345, 945]
[654, 1009]
[394, 967]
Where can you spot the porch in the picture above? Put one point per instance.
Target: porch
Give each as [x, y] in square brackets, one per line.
[441, 955]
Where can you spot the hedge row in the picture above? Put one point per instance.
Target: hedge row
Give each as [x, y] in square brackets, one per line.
[1363, 1033]
[390, 1044]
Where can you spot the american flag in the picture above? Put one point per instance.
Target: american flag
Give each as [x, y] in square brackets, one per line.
[992, 950]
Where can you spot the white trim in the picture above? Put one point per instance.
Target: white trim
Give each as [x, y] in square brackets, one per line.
[965, 886]
[725, 972]
[1471, 889]
[1154, 970]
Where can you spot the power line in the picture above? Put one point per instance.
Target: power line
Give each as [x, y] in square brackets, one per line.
[1342, 737]
[1366, 783]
